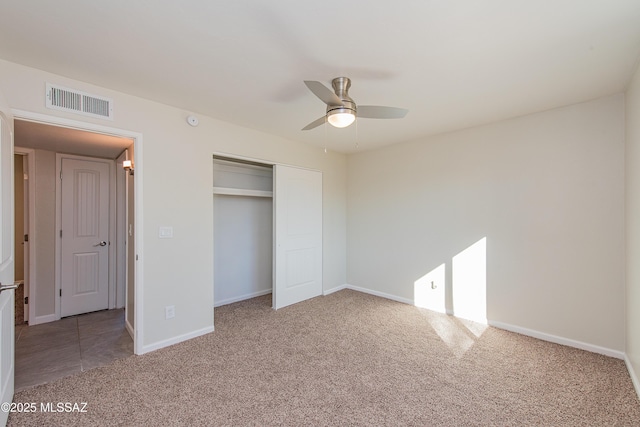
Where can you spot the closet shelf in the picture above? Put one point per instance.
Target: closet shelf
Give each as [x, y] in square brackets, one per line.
[241, 192]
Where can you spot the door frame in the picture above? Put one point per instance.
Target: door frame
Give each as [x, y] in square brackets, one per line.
[31, 229]
[137, 137]
[111, 269]
[121, 230]
[7, 242]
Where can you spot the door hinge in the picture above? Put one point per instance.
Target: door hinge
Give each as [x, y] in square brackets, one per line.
[60, 233]
[60, 292]
[26, 238]
[26, 300]
[60, 175]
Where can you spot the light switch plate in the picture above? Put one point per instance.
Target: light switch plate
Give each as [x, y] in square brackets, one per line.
[165, 232]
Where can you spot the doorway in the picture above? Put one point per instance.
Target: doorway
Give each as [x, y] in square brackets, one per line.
[43, 144]
[46, 141]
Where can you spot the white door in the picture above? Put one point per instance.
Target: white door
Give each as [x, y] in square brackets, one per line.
[297, 235]
[85, 236]
[6, 262]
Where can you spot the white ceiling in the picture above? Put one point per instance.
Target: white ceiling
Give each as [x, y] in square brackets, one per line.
[453, 63]
[40, 136]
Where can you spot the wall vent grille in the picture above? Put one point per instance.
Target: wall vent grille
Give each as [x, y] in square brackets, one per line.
[65, 99]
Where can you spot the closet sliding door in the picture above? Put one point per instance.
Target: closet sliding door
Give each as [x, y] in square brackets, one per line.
[297, 235]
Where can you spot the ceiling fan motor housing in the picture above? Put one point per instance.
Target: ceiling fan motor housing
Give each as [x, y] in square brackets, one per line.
[341, 87]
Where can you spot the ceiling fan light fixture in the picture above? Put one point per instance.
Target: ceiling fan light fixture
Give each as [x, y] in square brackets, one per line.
[341, 108]
[341, 118]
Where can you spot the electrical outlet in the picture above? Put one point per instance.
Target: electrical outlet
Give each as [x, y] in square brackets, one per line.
[170, 311]
[165, 232]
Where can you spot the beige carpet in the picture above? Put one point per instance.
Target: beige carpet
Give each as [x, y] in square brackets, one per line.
[347, 359]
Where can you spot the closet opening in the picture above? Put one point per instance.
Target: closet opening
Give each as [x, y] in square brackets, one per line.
[243, 230]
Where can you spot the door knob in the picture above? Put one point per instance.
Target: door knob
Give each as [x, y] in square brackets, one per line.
[9, 287]
[103, 243]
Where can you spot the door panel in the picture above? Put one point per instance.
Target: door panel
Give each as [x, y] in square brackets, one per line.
[7, 342]
[297, 235]
[85, 236]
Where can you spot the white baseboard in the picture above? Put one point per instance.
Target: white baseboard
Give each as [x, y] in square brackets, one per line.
[379, 294]
[175, 340]
[43, 319]
[336, 289]
[632, 374]
[558, 340]
[241, 298]
[129, 328]
[524, 331]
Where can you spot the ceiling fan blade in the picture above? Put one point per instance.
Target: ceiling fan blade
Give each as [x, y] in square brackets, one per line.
[324, 93]
[377, 112]
[315, 123]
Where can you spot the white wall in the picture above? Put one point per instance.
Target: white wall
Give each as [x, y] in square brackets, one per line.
[243, 247]
[632, 194]
[18, 217]
[179, 271]
[545, 190]
[45, 236]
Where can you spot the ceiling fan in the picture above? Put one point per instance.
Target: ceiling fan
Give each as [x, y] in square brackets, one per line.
[342, 110]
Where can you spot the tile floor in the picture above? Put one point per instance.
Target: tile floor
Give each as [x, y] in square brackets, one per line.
[74, 344]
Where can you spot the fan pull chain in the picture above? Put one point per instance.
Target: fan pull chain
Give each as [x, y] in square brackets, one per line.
[357, 142]
[325, 134]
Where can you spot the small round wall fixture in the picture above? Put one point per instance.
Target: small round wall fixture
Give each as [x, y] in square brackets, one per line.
[193, 121]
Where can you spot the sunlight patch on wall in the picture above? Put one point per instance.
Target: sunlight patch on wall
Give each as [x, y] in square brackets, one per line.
[469, 282]
[429, 290]
[467, 292]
